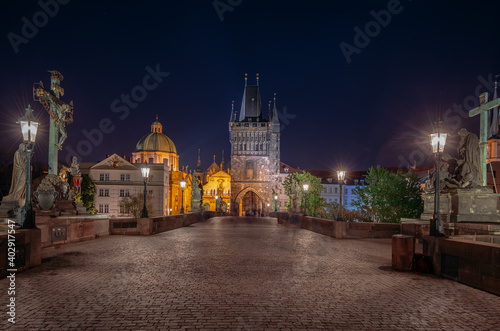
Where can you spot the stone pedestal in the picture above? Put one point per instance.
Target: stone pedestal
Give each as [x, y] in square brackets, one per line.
[8, 208]
[403, 249]
[465, 205]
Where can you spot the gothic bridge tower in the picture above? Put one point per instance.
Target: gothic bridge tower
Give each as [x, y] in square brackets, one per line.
[255, 154]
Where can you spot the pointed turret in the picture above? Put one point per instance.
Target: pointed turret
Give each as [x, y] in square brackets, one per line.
[198, 164]
[233, 115]
[251, 108]
[222, 164]
[275, 120]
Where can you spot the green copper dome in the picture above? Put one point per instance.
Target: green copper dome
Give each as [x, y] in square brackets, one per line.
[156, 141]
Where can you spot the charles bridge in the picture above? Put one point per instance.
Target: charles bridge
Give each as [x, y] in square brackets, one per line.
[240, 274]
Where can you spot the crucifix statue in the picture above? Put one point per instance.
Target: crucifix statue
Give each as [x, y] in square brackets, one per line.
[60, 114]
[482, 110]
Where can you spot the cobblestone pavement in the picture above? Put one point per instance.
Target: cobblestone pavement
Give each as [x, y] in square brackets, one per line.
[243, 275]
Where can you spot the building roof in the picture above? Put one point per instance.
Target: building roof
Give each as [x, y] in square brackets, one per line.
[155, 141]
[214, 167]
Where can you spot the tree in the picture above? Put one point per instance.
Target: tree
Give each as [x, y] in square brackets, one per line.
[88, 194]
[134, 204]
[389, 196]
[293, 186]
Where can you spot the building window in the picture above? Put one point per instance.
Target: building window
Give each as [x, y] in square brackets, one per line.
[150, 193]
[106, 209]
[124, 209]
[101, 192]
[101, 209]
[104, 177]
[151, 160]
[106, 193]
[336, 191]
[125, 177]
[124, 193]
[329, 190]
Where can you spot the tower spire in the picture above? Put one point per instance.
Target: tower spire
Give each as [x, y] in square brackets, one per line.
[198, 164]
[222, 164]
[275, 119]
[233, 115]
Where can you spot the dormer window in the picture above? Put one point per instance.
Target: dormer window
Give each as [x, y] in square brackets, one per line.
[286, 169]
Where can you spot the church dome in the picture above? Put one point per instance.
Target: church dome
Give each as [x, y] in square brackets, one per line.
[214, 167]
[156, 141]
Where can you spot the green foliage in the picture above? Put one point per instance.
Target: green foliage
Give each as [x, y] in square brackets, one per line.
[88, 193]
[331, 210]
[293, 186]
[389, 196]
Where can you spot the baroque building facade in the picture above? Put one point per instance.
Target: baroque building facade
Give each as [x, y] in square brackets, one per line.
[255, 155]
[118, 179]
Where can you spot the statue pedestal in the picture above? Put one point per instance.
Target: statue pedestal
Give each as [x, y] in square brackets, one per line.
[9, 208]
[465, 205]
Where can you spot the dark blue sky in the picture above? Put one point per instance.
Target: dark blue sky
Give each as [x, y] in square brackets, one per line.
[377, 109]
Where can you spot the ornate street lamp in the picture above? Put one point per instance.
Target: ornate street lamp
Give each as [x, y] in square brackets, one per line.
[437, 140]
[341, 178]
[29, 128]
[275, 202]
[306, 188]
[77, 181]
[183, 186]
[216, 202]
[145, 176]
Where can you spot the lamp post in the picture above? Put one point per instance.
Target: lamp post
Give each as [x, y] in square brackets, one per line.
[183, 186]
[437, 140]
[341, 178]
[216, 202]
[275, 202]
[29, 128]
[306, 188]
[145, 176]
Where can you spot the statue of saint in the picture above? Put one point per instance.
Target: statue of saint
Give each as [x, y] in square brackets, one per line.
[74, 168]
[18, 186]
[195, 195]
[468, 166]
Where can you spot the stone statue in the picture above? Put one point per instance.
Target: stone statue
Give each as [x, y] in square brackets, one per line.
[195, 195]
[74, 168]
[464, 172]
[18, 186]
[469, 164]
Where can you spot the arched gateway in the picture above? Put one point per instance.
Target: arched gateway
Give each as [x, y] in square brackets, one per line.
[255, 155]
[250, 203]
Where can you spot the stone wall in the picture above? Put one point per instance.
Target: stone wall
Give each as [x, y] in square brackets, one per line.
[476, 264]
[338, 229]
[77, 228]
[27, 243]
[149, 226]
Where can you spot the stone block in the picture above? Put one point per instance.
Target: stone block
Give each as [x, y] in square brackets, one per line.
[403, 249]
[492, 284]
[470, 278]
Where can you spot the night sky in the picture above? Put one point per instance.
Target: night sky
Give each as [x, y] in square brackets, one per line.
[377, 109]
